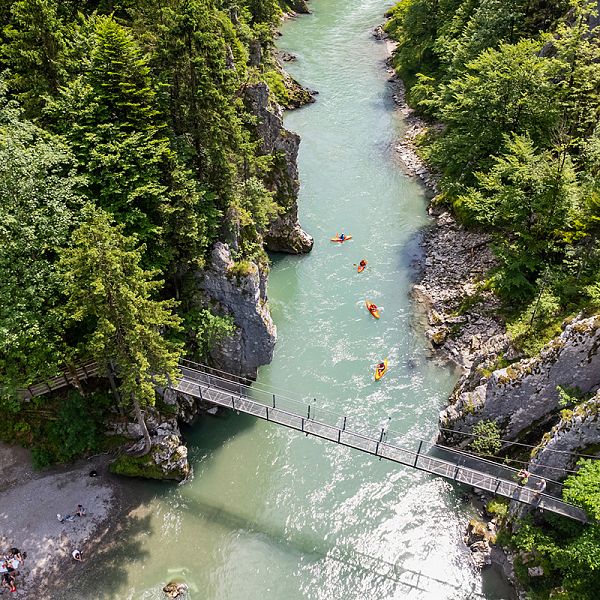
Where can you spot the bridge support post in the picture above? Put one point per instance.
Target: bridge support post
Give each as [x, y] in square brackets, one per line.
[497, 485]
[308, 415]
[302, 423]
[456, 472]
[267, 409]
[232, 402]
[418, 452]
[273, 400]
[344, 425]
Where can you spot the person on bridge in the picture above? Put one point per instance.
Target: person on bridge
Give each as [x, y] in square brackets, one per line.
[523, 476]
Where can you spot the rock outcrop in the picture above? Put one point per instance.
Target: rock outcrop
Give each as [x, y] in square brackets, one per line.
[577, 432]
[167, 458]
[240, 291]
[524, 395]
[285, 233]
[297, 6]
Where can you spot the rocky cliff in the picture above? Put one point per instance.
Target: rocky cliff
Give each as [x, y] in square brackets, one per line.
[285, 233]
[577, 432]
[524, 395]
[240, 291]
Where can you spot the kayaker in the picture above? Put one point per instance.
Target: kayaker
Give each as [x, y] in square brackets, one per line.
[381, 367]
[372, 307]
[342, 237]
[362, 263]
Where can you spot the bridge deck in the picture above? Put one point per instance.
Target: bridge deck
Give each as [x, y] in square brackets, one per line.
[230, 394]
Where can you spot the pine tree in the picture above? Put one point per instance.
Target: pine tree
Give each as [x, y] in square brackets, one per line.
[34, 52]
[111, 296]
[109, 116]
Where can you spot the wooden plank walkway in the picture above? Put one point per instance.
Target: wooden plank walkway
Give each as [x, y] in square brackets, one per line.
[82, 372]
[233, 394]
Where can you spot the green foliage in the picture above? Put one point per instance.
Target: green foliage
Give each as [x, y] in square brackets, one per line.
[78, 430]
[34, 50]
[497, 507]
[112, 296]
[515, 84]
[140, 111]
[486, 438]
[503, 91]
[203, 329]
[583, 488]
[38, 210]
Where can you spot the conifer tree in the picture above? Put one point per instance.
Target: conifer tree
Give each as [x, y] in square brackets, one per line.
[109, 116]
[112, 297]
[34, 52]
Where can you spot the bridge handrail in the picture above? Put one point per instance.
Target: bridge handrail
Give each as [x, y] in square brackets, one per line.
[512, 472]
[495, 463]
[383, 444]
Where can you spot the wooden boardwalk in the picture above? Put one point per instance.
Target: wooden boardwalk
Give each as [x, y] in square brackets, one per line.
[229, 393]
[82, 373]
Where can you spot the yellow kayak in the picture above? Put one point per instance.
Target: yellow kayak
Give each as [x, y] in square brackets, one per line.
[379, 373]
[372, 308]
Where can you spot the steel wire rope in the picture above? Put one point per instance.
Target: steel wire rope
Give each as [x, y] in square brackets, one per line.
[436, 460]
[521, 444]
[268, 389]
[389, 433]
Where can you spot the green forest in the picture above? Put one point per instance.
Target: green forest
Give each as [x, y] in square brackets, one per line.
[511, 90]
[126, 150]
[515, 86]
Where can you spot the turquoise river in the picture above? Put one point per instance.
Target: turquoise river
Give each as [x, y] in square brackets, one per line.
[271, 514]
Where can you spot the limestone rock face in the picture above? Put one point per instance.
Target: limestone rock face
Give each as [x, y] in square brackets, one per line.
[577, 432]
[243, 296]
[285, 233]
[524, 394]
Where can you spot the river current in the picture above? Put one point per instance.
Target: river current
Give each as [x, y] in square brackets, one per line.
[271, 514]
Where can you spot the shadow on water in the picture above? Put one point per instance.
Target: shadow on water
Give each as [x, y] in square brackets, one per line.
[211, 433]
[315, 547]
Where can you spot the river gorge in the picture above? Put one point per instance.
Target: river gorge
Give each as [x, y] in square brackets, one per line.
[272, 514]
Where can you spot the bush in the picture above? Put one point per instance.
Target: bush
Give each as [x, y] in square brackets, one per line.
[487, 438]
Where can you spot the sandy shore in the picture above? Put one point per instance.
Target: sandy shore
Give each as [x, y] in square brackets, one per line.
[29, 503]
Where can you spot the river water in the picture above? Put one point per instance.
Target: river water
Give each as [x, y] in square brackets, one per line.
[271, 514]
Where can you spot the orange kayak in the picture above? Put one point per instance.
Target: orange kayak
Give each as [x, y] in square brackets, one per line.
[379, 373]
[340, 240]
[372, 308]
[361, 268]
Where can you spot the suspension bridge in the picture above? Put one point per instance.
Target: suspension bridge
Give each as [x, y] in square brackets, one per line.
[230, 391]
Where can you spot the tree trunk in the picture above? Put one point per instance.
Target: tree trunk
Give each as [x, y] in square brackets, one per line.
[142, 424]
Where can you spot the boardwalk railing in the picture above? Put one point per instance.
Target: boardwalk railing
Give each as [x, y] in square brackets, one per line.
[81, 373]
[203, 383]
